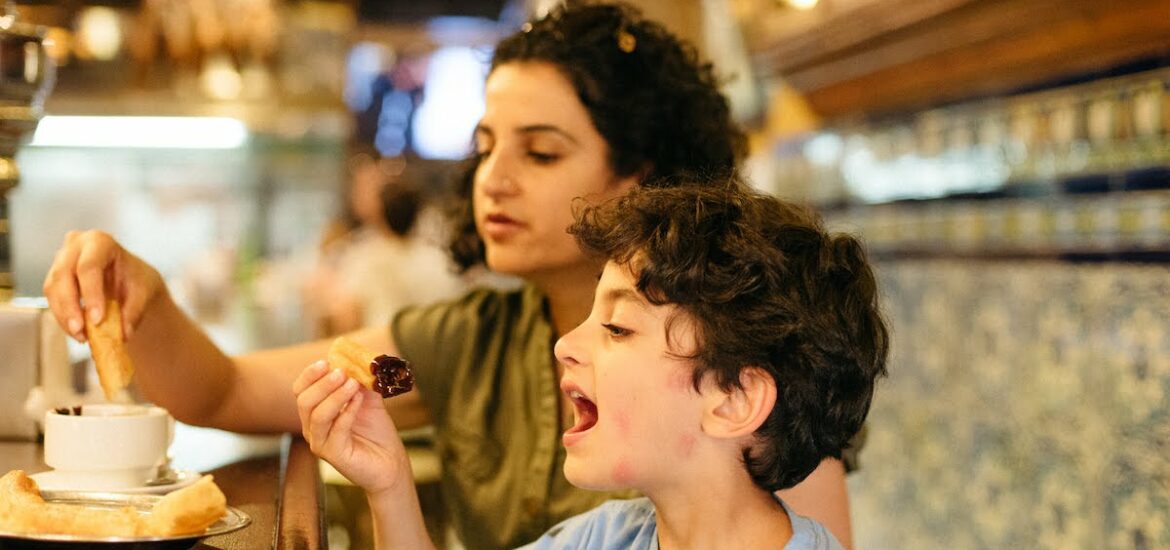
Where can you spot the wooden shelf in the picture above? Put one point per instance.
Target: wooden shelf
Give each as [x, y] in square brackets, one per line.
[852, 58]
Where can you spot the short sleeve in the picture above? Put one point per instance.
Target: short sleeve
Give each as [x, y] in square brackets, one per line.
[435, 338]
[614, 525]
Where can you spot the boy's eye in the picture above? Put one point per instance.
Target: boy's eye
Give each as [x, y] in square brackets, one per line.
[615, 330]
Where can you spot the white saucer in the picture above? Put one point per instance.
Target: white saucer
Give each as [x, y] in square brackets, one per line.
[53, 480]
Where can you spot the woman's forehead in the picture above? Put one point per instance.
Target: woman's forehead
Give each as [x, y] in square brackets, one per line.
[533, 93]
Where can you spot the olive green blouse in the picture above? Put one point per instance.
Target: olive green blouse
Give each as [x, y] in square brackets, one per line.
[484, 367]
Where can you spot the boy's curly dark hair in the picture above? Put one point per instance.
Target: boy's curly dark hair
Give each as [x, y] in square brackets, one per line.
[766, 286]
[657, 105]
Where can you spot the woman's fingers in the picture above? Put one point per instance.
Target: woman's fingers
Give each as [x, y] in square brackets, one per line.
[64, 298]
[139, 284]
[60, 287]
[78, 278]
[96, 251]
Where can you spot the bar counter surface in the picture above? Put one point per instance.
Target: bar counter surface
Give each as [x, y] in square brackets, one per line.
[278, 484]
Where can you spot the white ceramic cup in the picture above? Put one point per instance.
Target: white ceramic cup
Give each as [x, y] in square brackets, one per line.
[108, 446]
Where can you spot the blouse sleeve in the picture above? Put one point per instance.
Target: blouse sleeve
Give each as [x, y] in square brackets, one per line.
[439, 339]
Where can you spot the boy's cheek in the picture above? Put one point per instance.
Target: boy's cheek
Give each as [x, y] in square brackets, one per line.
[685, 446]
[621, 422]
[622, 473]
[679, 381]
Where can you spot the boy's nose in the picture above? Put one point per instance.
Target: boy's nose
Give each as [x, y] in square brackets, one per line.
[566, 349]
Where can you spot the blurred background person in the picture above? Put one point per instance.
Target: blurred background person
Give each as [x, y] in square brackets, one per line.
[380, 254]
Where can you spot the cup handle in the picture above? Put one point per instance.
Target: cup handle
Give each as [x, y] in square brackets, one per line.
[164, 463]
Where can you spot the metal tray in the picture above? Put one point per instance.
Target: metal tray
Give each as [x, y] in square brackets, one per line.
[232, 520]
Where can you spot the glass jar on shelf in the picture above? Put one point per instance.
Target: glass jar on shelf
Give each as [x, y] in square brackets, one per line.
[1148, 111]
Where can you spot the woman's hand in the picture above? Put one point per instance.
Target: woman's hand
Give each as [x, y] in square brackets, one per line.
[89, 264]
[347, 426]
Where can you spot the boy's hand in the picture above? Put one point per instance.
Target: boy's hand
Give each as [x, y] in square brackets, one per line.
[347, 426]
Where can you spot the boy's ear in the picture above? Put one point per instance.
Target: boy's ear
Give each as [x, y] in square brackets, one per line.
[739, 411]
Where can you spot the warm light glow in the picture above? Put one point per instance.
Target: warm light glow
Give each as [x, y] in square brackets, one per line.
[452, 104]
[802, 4]
[99, 32]
[220, 79]
[140, 132]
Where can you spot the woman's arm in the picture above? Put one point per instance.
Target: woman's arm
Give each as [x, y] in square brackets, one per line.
[823, 496]
[185, 373]
[176, 365]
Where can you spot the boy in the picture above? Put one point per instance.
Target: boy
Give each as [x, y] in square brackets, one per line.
[731, 347]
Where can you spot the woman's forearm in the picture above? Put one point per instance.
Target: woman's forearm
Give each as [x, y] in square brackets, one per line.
[176, 365]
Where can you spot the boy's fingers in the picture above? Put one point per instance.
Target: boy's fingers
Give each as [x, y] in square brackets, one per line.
[346, 418]
[310, 374]
[310, 397]
[323, 416]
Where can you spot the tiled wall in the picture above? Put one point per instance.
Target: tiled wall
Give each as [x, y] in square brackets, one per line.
[1026, 408]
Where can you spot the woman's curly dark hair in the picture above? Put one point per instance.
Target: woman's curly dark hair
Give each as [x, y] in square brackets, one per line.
[766, 287]
[657, 105]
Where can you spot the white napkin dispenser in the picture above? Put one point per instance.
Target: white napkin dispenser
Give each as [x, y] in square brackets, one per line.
[33, 354]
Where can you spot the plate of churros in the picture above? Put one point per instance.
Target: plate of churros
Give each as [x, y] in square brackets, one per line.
[69, 520]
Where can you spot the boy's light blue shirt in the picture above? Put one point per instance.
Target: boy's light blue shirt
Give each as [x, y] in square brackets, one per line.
[632, 525]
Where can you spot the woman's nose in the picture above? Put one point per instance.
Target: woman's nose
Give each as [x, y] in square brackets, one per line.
[494, 175]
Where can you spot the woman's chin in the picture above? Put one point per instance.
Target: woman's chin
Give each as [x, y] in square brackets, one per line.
[506, 262]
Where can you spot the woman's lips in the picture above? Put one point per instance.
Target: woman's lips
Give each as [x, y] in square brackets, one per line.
[500, 226]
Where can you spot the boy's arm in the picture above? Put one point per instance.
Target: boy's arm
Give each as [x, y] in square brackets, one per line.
[346, 425]
[398, 520]
[823, 496]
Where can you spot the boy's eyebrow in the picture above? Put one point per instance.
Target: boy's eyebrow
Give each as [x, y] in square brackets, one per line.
[615, 295]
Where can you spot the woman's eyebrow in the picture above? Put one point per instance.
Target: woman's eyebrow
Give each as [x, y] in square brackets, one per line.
[539, 128]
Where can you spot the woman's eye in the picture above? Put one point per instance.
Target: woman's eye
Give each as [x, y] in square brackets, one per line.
[543, 158]
[615, 330]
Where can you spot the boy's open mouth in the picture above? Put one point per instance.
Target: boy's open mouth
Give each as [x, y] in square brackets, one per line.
[586, 412]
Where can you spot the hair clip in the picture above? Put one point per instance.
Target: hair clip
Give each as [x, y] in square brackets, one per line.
[626, 41]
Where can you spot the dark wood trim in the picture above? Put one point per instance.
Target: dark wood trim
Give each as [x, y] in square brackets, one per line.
[301, 517]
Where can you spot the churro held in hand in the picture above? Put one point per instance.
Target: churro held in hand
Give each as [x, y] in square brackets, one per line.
[385, 374]
[114, 367]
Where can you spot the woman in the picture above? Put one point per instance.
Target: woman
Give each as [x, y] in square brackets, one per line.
[581, 105]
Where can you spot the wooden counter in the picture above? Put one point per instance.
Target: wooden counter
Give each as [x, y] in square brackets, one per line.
[277, 484]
